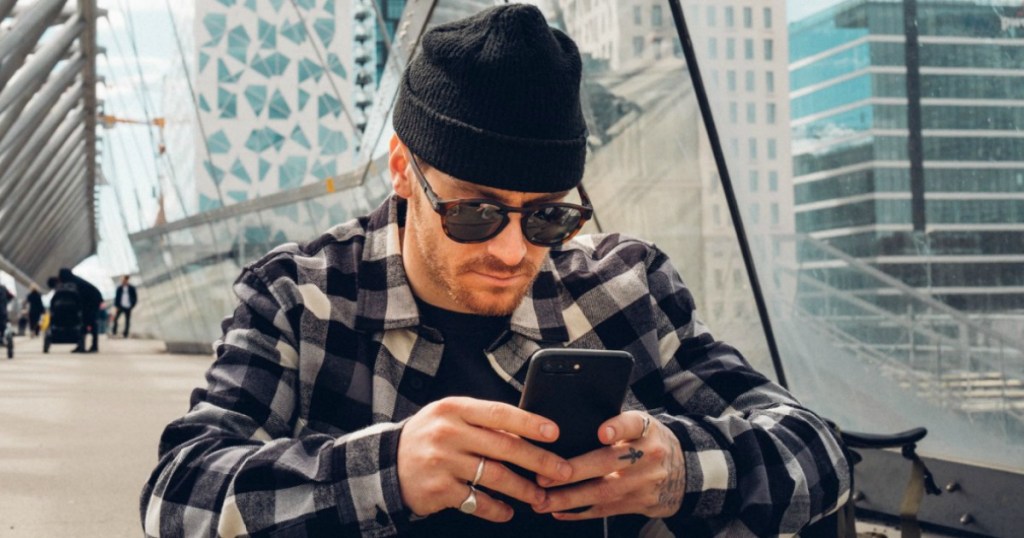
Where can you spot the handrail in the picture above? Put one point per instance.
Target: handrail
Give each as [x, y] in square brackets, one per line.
[909, 290]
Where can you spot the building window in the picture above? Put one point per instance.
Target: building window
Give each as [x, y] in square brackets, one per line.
[748, 49]
[769, 114]
[734, 112]
[773, 181]
[730, 78]
[769, 82]
[752, 144]
[712, 18]
[730, 49]
[656, 16]
[730, 17]
[657, 48]
[677, 47]
[638, 15]
[734, 144]
[755, 213]
[751, 113]
[716, 215]
[768, 17]
[772, 149]
[638, 47]
[750, 80]
[775, 213]
[769, 50]
[753, 180]
[748, 17]
[712, 48]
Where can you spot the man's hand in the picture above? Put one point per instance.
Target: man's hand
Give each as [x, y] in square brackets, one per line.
[440, 449]
[634, 474]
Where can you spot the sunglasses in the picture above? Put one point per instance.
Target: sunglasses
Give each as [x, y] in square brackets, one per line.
[477, 220]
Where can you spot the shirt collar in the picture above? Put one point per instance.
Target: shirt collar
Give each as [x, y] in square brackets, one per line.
[538, 316]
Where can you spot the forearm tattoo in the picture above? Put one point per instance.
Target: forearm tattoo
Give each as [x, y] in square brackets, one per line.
[674, 486]
[633, 456]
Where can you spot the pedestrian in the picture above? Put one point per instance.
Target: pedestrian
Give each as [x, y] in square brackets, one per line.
[368, 381]
[124, 301]
[90, 298]
[35, 309]
[6, 298]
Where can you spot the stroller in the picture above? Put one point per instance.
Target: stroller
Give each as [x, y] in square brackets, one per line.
[65, 325]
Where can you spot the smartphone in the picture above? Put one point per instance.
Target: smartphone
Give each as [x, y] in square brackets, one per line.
[578, 389]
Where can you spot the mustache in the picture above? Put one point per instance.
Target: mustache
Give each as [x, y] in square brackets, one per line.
[494, 266]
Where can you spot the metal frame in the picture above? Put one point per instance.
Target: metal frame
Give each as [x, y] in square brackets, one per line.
[976, 500]
[47, 112]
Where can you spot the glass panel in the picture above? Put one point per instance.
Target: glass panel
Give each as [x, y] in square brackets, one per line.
[902, 304]
[651, 172]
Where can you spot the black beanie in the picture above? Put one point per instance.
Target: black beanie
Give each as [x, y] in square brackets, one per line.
[494, 99]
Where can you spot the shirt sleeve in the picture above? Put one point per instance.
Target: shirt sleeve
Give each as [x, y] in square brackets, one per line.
[757, 463]
[235, 465]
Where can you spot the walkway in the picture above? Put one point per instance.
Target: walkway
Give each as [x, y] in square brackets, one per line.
[79, 434]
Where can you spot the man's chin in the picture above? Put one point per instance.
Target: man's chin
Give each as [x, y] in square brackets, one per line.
[498, 303]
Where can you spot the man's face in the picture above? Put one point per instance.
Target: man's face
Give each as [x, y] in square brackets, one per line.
[489, 278]
[124, 281]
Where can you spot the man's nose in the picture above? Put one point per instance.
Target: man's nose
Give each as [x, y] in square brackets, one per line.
[509, 245]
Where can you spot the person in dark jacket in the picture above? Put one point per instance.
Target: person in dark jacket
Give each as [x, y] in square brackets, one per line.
[124, 300]
[5, 303]
[90, 298]
[35, 309]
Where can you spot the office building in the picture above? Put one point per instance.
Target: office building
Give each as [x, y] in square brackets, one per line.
[910, 159]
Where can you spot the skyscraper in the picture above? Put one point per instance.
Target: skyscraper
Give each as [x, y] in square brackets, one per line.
[907, 153]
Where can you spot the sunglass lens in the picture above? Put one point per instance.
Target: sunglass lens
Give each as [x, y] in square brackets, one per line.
[473, 222]
[551, 225]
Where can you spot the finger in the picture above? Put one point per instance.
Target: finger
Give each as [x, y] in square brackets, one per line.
[599, 511]
[487, 507]
[502, 446]
[627, 426]
[501, 416]
[500, 478]
[600, 462]
[607, 490]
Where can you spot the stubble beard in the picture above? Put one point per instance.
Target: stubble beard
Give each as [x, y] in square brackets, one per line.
[477, 301]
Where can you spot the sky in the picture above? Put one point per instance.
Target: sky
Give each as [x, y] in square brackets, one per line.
[140, 50]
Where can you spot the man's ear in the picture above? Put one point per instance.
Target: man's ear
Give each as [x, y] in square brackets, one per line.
[398, 165]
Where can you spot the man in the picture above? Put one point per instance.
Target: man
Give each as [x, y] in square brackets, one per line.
[35, 309]
[124, 300]
[5, 304]
[90, 298]
[367, 383]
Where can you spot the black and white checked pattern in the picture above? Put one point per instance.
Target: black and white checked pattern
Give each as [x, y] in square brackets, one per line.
[296, 433]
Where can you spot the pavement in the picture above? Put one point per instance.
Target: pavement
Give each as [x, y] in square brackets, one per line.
[79, 433]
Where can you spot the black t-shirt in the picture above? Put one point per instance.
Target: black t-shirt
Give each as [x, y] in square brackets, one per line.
[465, 371]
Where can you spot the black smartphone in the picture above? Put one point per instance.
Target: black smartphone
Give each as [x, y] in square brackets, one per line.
[578, 389]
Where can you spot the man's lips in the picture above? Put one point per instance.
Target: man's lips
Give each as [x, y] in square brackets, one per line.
[500, 278]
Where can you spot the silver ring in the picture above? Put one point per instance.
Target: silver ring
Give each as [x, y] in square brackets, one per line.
[479, 471]
[647, 425]
[468, 506]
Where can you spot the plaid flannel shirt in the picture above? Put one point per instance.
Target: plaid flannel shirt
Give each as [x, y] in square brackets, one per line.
[324, 359]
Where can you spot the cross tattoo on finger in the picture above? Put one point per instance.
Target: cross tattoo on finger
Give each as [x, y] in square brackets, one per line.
[633, 455]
